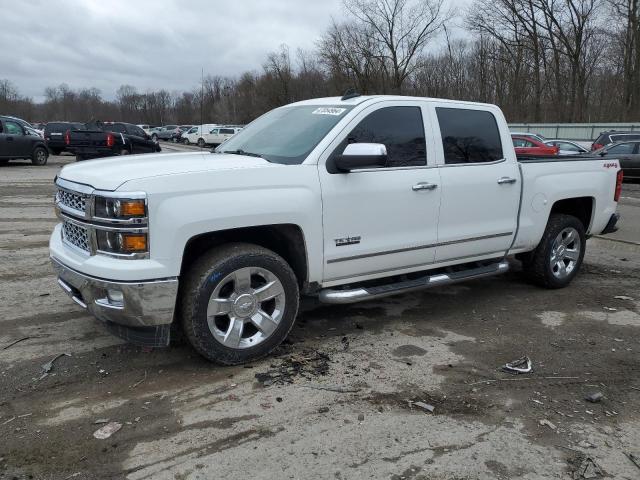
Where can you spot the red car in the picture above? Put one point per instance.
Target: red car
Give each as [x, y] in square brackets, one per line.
[529, 147]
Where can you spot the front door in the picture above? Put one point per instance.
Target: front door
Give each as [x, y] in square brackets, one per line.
[17, 141]
[480, 183]
[381, 220]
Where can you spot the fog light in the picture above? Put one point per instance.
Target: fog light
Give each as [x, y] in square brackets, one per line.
[115, 297]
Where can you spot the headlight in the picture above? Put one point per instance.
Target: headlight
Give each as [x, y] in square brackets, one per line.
[120, 208]
[121, 243]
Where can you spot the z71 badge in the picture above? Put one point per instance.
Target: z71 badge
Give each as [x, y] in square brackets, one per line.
[341, 242]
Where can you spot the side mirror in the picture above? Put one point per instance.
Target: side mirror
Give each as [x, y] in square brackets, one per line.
[361, 155]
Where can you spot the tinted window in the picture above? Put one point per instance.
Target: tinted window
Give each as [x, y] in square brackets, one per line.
[624, 138]
[230, 131]
[469, 136]
[116, 127]
[12, 128]
[622, 149]
[400, 129]
[569, 147]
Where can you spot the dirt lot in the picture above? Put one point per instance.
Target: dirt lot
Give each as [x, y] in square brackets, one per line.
[335, 401]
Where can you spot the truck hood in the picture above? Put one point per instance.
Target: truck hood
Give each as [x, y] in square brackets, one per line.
[110, 173]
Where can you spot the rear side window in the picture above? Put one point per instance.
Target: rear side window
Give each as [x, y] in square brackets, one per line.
[469, 136]
[624, 138]
[622, 149]
[400, 129]
[230, 131]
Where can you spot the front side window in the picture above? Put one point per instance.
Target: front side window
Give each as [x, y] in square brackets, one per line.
[469, 136]
[12, 128]
[569, 147]
[214, 131]
[399, 129]
[519, 142]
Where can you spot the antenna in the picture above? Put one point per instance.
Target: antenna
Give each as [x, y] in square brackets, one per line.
[201, 100]
[350, 93]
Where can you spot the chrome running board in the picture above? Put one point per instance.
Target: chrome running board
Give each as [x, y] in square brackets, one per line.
[359, 294]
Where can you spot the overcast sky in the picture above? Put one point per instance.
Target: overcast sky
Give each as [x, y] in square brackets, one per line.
[148, 44]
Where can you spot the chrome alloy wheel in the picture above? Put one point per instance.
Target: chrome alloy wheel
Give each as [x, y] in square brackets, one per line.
[565, 253]
[246, 307]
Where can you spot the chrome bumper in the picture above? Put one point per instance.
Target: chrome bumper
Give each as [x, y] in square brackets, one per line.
[150, 303]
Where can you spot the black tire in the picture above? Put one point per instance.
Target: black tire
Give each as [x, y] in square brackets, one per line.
[40, 156]
[4, 162]
[206, 274]
[201, 143]
[186, 141]
[124, 151]
[80, 158]
[538, 265]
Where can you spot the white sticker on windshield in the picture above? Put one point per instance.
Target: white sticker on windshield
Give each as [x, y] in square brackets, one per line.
[328, 111]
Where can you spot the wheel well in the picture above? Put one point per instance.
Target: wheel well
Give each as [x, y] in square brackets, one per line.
[579, 207]
[286, 240]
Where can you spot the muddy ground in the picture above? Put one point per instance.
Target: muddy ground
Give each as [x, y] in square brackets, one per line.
[337, 400]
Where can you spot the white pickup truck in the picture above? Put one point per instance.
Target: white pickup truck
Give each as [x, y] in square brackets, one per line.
[346, 199]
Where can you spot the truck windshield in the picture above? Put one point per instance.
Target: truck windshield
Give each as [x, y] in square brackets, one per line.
[285, 135]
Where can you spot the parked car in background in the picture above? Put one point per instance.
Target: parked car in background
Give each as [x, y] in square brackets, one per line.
[535, 136]
[54, 135]
[147, 129]
[197, 132]
[218, 135]
[629, 155]
[613, 136]
[177, 136]
[165, 133]
[18, 141]
[529, 147]
[108, 139]
[24, 123]
[567, 147]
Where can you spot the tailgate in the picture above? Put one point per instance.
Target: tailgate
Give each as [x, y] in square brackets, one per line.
[87, 138]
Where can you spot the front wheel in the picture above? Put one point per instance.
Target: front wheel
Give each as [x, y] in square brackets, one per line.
[239, 302]
[40, 156]
[558, 257]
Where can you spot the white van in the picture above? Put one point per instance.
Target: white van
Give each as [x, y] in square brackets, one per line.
[196, 134]
[220, 134]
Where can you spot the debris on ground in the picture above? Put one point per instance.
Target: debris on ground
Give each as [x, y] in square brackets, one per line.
[546, 423]
[46, 368]
[108, 430]
[15, 341]
[345, 343]
[594, 397]
[521, 365]
[330, 388]
[307, 363]
[610, 309]
[361, 417]
[634, 459]
[623, 297]
[424, 406]
[323, 410]
[586, 469]
[101, 420]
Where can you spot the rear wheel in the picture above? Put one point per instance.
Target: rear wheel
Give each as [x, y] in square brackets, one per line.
[80, 158]
[201, 143]
[40, 156]
[124, 151]
[558, 257]
[239, 302]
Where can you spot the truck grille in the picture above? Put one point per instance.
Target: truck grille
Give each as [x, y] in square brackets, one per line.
[75, 235]
[71, 200]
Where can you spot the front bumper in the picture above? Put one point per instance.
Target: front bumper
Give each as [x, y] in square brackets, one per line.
[149, 303]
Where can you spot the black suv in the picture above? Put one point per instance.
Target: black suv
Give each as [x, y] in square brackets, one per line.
[18, 142]
[54, 135]
[613, 136]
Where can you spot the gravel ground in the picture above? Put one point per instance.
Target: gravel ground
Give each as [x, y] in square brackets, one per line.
[338, 400]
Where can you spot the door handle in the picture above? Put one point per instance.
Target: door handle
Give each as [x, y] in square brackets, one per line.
[424, 186]
[503, 180]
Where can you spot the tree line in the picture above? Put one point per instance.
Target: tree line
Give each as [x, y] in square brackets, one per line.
[539, 60]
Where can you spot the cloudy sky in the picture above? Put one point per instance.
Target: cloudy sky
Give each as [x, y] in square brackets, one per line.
[148, 44]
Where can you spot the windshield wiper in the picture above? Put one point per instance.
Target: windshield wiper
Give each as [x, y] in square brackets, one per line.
[242, 152]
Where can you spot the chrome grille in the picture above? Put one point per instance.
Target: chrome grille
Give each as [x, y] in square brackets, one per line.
[71, 200]
[76, 235]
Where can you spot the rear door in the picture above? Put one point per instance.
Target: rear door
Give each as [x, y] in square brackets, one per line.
[380, 220]
[480, 182]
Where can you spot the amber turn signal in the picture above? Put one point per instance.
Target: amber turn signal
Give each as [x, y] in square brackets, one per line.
[132, 208]
[134, 242]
